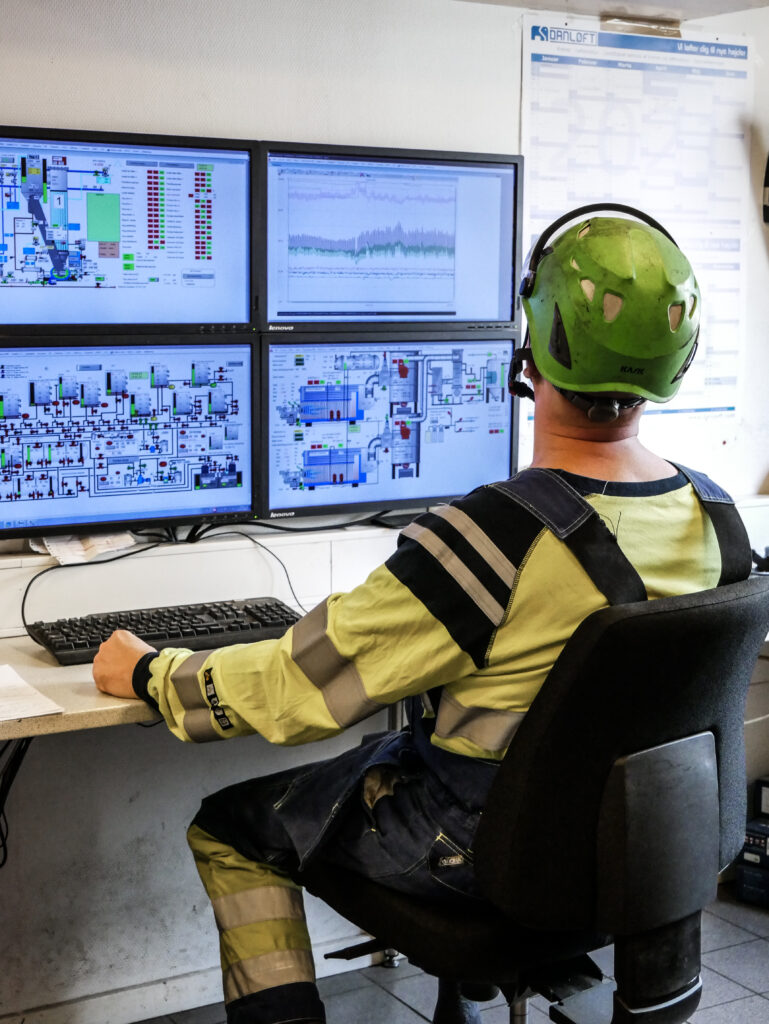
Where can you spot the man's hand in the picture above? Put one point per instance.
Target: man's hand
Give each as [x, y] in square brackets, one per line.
[113, 666]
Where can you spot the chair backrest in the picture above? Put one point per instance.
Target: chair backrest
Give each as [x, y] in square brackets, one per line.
[632, 677]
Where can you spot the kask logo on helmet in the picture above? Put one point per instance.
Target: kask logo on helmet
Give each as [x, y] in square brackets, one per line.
[631, 369]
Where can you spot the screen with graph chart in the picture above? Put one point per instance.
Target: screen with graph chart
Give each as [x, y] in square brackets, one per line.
[108, 433]
[388, 237]
[382, 423]
[108, 230]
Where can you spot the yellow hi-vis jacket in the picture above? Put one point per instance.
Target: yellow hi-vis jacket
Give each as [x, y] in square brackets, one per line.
[478, 599]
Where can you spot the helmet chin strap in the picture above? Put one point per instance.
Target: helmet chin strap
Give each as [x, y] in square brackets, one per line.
[600, 408]
[520, 389]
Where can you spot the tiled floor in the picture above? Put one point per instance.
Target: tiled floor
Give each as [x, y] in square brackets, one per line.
[735, 975]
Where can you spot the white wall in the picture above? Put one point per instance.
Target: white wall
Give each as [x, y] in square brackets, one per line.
[421, 73]
[747, 470]
[414, 73]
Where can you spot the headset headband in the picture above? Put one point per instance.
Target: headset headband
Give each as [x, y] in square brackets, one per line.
[529, 276]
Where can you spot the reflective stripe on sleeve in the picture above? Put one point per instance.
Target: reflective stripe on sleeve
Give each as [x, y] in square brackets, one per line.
[480, 540]
[487, 728]
[283, 967]
[456, 568]
[197, 713]
[337, 678]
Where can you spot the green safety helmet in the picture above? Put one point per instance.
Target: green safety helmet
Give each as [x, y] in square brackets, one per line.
[612, 305]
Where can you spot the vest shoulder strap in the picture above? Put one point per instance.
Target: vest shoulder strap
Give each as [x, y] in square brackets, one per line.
[563, 510]
[732, 537]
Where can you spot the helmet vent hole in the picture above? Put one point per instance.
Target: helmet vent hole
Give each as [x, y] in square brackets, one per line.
[583, 231]
[574, 264]
[675, 315]
[692, 305]
[559, 343]
[612, 306]
[588, 287]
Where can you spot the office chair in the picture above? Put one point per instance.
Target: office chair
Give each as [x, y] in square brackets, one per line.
[620, 798]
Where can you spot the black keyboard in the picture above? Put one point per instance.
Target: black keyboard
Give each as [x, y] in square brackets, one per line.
[195, 626]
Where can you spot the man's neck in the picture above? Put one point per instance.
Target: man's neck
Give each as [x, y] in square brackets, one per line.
[623, 459]
[564, 438]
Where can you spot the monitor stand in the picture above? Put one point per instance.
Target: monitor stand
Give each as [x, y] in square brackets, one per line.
[396, 520]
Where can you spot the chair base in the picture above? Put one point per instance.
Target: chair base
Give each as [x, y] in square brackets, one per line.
[599, 1005]
[457, 1003]
[593, 1006]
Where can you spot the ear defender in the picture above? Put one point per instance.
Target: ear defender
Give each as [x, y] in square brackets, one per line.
[518, 388]
[527, 283]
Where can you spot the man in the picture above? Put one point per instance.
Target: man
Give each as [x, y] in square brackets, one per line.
[466, 618]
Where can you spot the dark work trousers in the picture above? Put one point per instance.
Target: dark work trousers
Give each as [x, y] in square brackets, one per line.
[380, 810]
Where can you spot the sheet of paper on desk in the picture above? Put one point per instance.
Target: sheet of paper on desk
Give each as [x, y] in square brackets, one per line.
[20, 700]
[71, 550]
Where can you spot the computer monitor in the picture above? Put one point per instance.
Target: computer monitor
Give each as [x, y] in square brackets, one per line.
[371, 236]
[111, 433]
[376, 423]
[108, 232]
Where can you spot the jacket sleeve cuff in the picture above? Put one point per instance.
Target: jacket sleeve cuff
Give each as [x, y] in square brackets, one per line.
[141, 677]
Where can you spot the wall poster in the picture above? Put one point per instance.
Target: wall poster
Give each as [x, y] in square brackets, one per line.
[662, 124]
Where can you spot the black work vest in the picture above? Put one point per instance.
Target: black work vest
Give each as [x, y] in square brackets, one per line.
[563, 510]
[558, 506]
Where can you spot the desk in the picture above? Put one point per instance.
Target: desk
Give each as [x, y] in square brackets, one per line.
[218, 568]
[104, 914]
[71, 687]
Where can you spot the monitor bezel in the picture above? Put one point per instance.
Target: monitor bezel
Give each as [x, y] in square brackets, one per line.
[279, 513]
[180, 142]
[382, 154]
[134, 523]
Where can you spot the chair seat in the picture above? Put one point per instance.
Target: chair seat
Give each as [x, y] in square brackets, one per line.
[487, 945]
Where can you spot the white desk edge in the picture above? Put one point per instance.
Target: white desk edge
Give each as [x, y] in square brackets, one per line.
[71, 687]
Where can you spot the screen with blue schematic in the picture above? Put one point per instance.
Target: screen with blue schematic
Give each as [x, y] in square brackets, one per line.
[353, 237]
[108, 434]
[380, 425]
[95, 231]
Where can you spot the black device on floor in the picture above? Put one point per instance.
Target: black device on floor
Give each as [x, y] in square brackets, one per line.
[752, 885]
[752, 868]
[75, 641]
